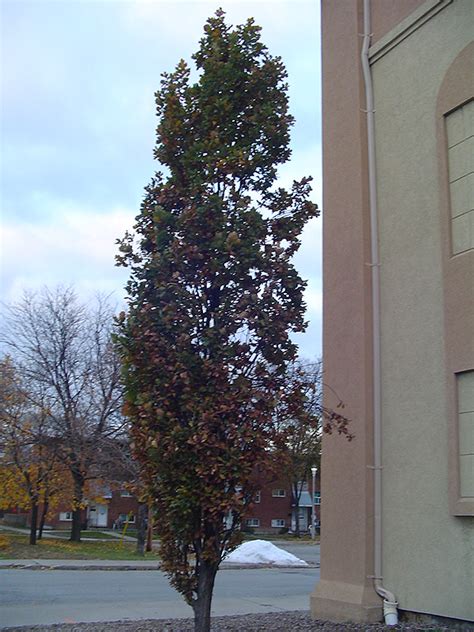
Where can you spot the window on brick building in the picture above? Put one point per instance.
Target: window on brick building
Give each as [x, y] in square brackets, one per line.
[278, 493]
[123, 517]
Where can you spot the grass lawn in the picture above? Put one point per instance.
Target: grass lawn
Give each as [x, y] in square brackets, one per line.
[130, 531]
[17, 547]
[65, 533]
[284, 537]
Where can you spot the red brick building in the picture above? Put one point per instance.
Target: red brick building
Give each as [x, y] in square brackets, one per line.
[108, 510]
[273, 510]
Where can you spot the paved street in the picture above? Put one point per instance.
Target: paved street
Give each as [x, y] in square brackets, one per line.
[306, 551]
[53, 596]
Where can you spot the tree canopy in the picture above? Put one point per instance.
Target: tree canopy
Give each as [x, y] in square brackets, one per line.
[213, 297]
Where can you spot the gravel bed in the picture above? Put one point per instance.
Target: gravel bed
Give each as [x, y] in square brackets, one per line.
[279, 621]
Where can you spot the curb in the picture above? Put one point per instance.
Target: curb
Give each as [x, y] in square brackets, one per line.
[86, 567]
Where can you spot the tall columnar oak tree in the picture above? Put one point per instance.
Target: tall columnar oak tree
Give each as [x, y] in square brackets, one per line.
[213, 297]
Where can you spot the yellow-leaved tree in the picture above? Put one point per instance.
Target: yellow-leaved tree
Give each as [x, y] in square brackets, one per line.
[31, 474]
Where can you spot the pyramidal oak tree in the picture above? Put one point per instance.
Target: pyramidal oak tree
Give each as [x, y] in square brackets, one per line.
[213, 298]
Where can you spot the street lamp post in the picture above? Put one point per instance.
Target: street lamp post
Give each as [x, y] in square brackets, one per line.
[314, 469]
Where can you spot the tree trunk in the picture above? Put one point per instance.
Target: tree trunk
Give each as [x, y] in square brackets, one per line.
[296, 508]
[297, 520]
[76, 526]
[149, 532]
[141, 528]
[202, 604]
[34, 522]
[76, 512]
[43, 518]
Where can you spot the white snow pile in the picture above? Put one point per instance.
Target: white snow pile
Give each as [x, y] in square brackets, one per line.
[262, 552]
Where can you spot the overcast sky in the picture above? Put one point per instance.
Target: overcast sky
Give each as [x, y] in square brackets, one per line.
[78, 129]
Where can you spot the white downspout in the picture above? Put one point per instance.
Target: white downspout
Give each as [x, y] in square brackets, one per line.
[389, 601]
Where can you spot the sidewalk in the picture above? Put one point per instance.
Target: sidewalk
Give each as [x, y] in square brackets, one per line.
[83, 565]
[50, 534]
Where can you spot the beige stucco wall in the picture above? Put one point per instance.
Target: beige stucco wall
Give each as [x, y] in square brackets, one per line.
[386, 14]
[420, 536]
[345, 591]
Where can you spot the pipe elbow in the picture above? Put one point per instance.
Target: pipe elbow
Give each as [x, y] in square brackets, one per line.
[390, 603]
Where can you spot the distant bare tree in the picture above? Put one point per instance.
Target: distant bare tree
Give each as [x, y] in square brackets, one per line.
[64, 352]
[119, 466]
[301, 419]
